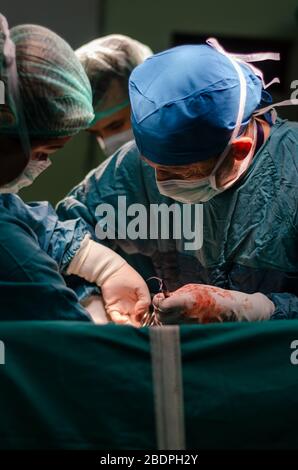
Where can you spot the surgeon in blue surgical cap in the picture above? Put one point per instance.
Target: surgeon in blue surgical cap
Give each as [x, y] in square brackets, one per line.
[207, 132]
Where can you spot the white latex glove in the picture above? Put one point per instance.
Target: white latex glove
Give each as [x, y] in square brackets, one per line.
[125, 293]
[95, 307]
[198, 303]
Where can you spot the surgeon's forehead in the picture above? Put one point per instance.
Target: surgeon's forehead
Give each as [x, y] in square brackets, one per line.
[206, 164]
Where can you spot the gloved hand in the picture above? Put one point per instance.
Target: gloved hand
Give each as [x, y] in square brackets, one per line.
[125, 293]
[198, 303]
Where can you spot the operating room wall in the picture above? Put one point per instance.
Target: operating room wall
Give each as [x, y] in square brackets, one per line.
[155, 22]
[152, 23]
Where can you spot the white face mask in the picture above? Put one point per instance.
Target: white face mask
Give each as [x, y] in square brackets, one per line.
[113, 143]
[30, 173]
[188, 192]
[204, 189]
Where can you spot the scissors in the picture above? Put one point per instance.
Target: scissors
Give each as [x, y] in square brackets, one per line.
[150, 317]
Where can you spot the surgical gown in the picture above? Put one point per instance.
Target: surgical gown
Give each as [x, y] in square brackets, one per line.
[34, 247]
[250, 231]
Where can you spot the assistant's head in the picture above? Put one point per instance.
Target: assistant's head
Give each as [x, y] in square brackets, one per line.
[192, 117]
[108, 62]
[48, 96]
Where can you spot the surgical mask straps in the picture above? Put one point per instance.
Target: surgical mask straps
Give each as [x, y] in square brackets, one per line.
[9, 52]
[246, 58]
[259, 57]
[242, 100]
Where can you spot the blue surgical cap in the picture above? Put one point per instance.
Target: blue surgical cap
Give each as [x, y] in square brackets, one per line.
[185, 103]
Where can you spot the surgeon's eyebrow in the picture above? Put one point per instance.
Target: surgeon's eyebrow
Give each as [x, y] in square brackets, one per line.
[114, 125]
[56, 146]
[201, 168]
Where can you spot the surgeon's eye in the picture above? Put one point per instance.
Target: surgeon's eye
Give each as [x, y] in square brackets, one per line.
[163, 175]
[115, 125]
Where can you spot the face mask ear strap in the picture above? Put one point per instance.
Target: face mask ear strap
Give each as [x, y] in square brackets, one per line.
[242, 100]
[9, 53]
[248, 158]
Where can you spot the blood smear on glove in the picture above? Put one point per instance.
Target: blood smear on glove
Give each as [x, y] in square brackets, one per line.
[204, 304]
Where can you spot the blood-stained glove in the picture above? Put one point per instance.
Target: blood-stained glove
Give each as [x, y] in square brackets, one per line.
[198, 303]
[125, 293]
